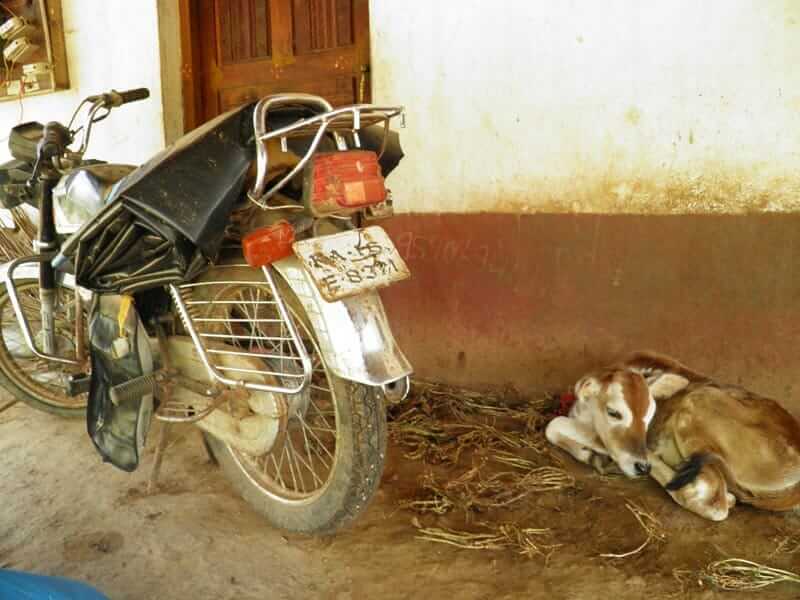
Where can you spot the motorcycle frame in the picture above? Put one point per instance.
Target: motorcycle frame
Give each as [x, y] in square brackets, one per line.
[358, 325]
[28, 265]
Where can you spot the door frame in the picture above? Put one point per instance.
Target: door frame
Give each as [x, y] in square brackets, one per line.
[192, 63]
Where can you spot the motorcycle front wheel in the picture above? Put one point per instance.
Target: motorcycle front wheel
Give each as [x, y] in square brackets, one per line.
[327, 463]
[37, 382]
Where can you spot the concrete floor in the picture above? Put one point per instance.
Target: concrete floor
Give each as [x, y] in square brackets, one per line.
[63, 512]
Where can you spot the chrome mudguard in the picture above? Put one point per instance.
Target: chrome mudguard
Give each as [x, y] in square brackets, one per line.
[353, 334]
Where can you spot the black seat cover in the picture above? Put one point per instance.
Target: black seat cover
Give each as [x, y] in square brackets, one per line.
[193, 184]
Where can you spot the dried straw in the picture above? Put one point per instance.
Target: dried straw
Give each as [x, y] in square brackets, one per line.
[17, 241]
[525, 540]
[651, 526]
[744, 575]
[474, 491]
[788, 545]
[440, 425]
[437, 441]
[433, 500]
[463, 402]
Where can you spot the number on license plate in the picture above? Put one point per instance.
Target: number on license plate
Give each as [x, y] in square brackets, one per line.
[349, 263]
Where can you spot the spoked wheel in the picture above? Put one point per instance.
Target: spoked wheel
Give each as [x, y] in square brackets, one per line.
[40, 383]
[327, 460]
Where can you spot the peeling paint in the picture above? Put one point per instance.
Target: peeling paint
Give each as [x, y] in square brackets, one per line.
[593, 107]
[707, 192]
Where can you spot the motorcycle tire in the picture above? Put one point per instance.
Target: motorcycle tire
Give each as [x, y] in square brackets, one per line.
[361, 450]
[358, 436]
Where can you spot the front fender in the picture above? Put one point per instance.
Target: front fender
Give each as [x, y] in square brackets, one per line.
[353, 334]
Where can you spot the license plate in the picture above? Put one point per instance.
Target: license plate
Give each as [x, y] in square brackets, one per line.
[350, 263]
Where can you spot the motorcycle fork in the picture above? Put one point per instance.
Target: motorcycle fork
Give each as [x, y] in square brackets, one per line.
[46, 244]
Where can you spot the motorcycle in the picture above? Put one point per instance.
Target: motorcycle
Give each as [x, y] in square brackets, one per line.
[229, 282]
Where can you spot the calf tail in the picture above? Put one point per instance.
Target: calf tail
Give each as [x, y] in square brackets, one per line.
[778, 500]
[689, 469]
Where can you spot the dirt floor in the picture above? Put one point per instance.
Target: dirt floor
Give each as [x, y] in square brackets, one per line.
[63, 512]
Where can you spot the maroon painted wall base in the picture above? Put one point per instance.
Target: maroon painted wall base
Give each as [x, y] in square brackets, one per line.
[537, 300]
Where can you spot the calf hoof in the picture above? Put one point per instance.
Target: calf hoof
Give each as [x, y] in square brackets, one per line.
[603, 464]
[717, 514]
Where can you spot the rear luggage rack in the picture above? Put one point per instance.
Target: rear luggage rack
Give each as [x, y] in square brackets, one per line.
[345, 120]
[238, 321]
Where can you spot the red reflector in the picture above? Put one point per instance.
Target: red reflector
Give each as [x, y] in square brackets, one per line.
[343, 182]
[268, 244]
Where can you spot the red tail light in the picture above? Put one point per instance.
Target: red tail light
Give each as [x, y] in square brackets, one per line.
[268, 244]
[343, 182]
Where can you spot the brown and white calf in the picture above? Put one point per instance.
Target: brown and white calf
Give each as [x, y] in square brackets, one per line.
[708, 444]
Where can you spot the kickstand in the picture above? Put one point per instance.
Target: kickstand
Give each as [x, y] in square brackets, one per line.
[163, 437]
[210, 453]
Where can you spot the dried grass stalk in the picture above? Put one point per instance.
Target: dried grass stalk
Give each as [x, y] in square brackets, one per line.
[432, 500]
[744, 575]
[473, 491]
[547, 479]
[788, 545]
[17, 241]
[440, 442]
[462, 402]
[527, 541]
[513, 460]
[651, 526]
[537, 479]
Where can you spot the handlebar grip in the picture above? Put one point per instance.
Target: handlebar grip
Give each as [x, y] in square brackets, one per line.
[134, 95]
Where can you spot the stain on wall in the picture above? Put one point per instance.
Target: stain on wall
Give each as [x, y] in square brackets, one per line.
[580, 106]
[584, 179]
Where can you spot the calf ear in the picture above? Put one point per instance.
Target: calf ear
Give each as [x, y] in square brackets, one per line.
[587, 388]
[666, 385]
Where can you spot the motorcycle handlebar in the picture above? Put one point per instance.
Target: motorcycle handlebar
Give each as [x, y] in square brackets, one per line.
[114, 98]
[133, 95]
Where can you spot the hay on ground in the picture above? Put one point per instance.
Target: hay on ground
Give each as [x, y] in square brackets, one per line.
[651, 526]
[527, 541]
[476, 491]
[504, 438]
[788, 545]
[744, 575]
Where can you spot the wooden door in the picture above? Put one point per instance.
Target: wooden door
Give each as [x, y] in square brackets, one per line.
[243, 50]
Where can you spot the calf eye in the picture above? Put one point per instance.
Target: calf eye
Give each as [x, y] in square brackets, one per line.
[613, 413]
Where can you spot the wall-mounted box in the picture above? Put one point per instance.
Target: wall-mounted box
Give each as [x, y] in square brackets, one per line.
[32, 42]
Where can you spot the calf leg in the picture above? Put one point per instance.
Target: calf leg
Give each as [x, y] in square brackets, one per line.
[707, 495]
[691, 439]
[576, 438]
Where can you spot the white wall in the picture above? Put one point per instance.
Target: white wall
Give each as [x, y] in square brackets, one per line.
[579, 105]
[110, 44]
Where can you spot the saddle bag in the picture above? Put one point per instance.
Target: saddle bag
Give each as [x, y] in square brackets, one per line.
[120, 352]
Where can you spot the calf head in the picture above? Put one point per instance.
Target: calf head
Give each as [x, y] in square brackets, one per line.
[621, 407]
[621, 404]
